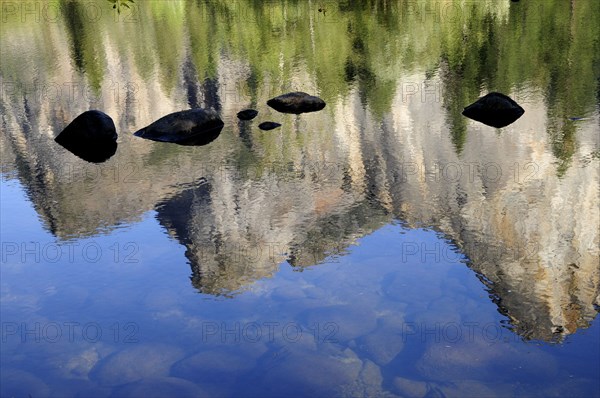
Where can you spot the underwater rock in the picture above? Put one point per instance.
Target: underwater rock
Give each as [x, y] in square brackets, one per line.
[410, 388]
[494, 109]
[382, 346]
[341, 322]
[477, 389]
[92, 136]
[247, 114]
[214, 364]
[218, 369]
[160, 387]
[135, 363]
[320, 374]
[296, 102]
[268, 125]
[478, 358]
[19, 383]
[192, 127]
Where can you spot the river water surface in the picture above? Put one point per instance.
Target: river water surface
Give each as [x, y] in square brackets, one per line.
[384, 246]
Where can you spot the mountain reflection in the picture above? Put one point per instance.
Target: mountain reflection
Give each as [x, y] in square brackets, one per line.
[227, 256]
[521, 204]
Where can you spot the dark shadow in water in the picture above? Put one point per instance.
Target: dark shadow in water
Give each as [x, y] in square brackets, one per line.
[210, 90]
[190, 82]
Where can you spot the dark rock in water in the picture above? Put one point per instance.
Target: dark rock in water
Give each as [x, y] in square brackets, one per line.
[494, 109]
[296, 102]
[247, 114]
[192, 127]
[268, 125]
[92, 136]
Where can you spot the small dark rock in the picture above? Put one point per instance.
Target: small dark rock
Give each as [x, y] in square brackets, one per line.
[92, 136]
[192, 127]
[247, 114]
[268, 125]
[495, 109]
[296, 102]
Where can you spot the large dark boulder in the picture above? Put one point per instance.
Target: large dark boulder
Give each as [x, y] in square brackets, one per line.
[494, 109]
[92, 136]
[296, 102]
[192, 127]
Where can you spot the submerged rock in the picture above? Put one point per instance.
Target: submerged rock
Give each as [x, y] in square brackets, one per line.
[494, 109]
[92, 136]
[214, 364]
[410, 388]
[247, 114]
[218, 369]
[327, 373]
[19, 383]
[479, 358]
[160, 387]
[296, 102]
[341, 322]
[268, 125]
[135, 363]
[382, 345]
[192, 127]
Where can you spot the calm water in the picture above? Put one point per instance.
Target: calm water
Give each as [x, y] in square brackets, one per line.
[385, 246]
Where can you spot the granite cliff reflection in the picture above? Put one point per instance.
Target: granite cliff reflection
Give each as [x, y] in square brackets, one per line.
[522, 204]
[257, 238]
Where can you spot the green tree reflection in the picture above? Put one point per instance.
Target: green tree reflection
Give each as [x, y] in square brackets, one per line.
[547, 48]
